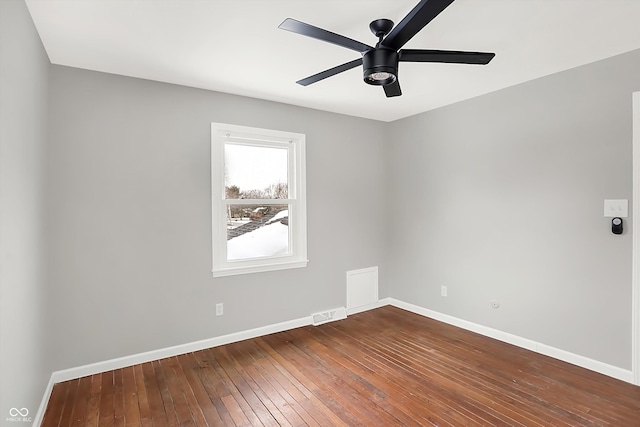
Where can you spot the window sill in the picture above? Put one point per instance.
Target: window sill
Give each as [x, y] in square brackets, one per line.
[258, 268]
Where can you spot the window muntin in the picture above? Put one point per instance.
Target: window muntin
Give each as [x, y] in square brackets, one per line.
[258, 200]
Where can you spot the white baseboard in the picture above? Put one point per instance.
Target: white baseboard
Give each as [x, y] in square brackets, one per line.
[37, 419]
[367, 307]
[565, 356]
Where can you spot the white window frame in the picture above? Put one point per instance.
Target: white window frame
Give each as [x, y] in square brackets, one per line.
[295, 143]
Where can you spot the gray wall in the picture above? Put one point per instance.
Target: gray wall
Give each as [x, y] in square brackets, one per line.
[504, 194]
[129, 225]
[24, 67]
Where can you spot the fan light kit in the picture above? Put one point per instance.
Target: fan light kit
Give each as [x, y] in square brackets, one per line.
[380, 63]
[380, 78]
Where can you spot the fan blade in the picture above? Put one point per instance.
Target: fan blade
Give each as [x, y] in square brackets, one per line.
[392, 89]
[415, 20]
[298, 27]
[330, 72]
[447, 56]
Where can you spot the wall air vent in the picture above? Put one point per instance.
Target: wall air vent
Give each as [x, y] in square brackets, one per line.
[329, 316]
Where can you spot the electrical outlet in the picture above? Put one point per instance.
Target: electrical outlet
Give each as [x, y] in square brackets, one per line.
[219, 309]
[443, 291]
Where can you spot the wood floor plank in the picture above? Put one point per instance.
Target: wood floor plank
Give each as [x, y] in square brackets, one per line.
[80, 405]
[395, 388]
[298, 391]
[215, 388]
[95, 396]
[154, 396]
[365, 385]
[220, 363]
[177, 396]
[118, 399]
[70, 402]
[249, 389]
[315, 395]
[141, 394]
[250, 357]
[386, 398]
[191, 366]
[236, 412]
[426, 366]
[106, 408]
[190, 396]
[130, 398]
[362, 411]
[290, 390]
[382, 367]
[450, 383]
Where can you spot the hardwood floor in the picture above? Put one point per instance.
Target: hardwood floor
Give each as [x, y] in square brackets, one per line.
[385, 367]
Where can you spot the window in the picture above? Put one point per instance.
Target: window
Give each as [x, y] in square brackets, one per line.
[258, 200]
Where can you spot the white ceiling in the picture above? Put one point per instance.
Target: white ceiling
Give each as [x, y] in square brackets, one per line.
[235, 46]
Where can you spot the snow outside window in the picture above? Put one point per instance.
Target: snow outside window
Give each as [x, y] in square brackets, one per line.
[258, 200]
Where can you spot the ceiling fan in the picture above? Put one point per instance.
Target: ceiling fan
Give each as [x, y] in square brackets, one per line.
[380, 63]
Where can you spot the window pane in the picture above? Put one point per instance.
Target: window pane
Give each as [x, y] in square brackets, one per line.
[255, 231]
[253, 172]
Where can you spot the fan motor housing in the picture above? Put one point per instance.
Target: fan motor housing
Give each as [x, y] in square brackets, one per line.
[380, 66]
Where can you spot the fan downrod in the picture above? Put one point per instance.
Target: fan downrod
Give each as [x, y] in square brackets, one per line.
[381, 27]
